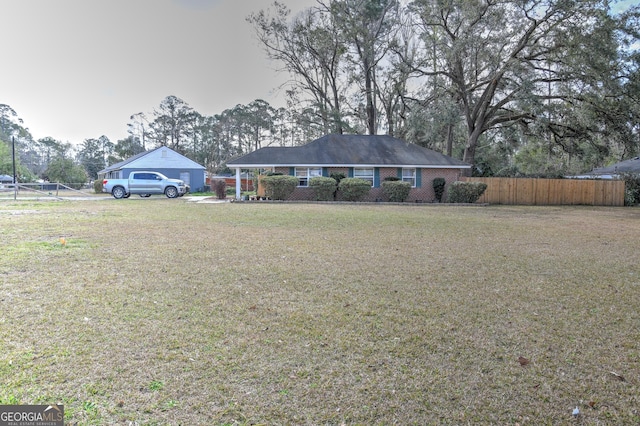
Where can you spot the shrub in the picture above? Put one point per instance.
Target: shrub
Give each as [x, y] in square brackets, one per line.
[219, 186]
[338, 177]
[65, 171]
[438, 188]
[466, 192]
[354, 189]
[324, 187]
[391, 179]
[396, 191]
[97, 186]
[279, 187]
[631, 188]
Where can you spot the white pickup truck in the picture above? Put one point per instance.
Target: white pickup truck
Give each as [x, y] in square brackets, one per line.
[144, 183]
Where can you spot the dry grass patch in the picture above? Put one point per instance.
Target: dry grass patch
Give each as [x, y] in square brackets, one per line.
[162, 312]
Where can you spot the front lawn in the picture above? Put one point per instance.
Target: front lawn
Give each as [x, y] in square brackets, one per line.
[166, 312]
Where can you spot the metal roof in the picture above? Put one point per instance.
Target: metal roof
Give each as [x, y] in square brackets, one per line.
[349, 151]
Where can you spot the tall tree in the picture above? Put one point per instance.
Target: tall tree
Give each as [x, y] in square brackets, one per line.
[23, 174]
[125, 148]
[199, 132]
[225, 143]
[500, 57]
[367, 28]
[170, 125]
[65, 171]
[393, 85]
[259, 122]
[139, 129]
[311, 51]
[9, 122]
[93, 155]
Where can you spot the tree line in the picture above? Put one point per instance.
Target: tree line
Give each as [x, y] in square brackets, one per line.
[208, 140]
[514, 87]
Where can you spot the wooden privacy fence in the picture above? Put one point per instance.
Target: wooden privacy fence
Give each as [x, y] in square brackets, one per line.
[544, 192]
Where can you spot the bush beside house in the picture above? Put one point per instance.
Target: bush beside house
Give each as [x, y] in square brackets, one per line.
[324, 187]
[631, 188]
[279, 187]
[219, 186]
[465, 192]
[354, 189]
[396, 191]
[438, 188]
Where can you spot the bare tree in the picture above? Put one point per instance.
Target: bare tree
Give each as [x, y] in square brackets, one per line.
[311, 51]
[367, 28]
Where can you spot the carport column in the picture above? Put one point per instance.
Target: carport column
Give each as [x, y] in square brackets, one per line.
[238, 183]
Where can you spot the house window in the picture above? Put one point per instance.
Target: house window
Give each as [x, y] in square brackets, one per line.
[409, 175]
[365, 173]
[305, 173]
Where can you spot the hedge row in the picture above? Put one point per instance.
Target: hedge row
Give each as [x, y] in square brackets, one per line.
[280, 187]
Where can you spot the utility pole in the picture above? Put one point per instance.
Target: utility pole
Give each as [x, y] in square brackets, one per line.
[13, 160]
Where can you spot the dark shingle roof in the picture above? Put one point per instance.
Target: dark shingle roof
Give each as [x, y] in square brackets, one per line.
[349, 150]
[626, 166]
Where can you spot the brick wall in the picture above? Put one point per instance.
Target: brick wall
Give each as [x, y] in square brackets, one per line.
[424, 193]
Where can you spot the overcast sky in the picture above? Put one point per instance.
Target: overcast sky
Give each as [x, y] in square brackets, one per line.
[78, 69]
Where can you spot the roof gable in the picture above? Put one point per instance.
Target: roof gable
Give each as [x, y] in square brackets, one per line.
[349, 150]
[162, 157]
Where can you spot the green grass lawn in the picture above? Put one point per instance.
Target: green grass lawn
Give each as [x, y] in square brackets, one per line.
[164, 312]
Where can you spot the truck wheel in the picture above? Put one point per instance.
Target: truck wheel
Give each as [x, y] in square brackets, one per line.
[171, 192]
[118, 192]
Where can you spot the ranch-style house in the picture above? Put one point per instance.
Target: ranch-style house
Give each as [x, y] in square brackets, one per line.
[373, 158]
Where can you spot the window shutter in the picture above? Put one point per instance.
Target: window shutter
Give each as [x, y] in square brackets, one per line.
[325, 171]
[350, 172]
[399, 173]
[292, 171]
[376, 177]
[418, 178]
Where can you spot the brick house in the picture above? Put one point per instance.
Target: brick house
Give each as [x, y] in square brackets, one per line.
[373, 158]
